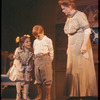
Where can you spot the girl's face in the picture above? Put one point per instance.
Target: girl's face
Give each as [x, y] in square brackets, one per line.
[27, 43]
[66, 10]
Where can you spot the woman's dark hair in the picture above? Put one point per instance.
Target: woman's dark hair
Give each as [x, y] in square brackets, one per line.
[67, 3]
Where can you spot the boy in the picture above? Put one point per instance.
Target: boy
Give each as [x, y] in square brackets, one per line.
[44, 54]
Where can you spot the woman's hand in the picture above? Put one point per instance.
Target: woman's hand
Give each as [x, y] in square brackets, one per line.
[67, 51]
[85, 41]
[83, 49]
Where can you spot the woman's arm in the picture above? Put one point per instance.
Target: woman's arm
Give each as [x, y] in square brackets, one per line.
[84, 24]
[87, 33]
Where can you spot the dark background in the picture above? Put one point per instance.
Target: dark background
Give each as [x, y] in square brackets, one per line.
[18, 18]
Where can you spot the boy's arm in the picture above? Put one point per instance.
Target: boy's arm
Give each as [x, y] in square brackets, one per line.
[51, 50]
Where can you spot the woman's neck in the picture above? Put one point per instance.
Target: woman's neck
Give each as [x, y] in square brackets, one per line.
[72, 11]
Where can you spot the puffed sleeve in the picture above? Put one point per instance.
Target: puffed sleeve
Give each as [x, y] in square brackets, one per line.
[17, 63]
[16, 54]
[83, 21]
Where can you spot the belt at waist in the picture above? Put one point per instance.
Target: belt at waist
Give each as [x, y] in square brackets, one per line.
[24, 65]
[40, 56]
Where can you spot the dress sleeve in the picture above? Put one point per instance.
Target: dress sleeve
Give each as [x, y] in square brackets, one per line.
[17, 63]
[16, 54]
[88, 31]
[83, 21]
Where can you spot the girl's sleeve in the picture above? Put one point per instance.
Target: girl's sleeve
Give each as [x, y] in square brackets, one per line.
[16, 54]
[17, 63]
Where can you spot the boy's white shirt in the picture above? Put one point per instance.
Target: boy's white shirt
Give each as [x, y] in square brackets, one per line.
[43, 46]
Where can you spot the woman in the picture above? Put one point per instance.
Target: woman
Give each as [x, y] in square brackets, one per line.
[80, 72]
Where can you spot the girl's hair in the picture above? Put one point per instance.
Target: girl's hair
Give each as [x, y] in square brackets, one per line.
[37, 29]
[67, 3]
[22, 40]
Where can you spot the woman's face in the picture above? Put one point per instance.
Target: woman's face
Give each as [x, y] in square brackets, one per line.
[27, 43]
[66, 10]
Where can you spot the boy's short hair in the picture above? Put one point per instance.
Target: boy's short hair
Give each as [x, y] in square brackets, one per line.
[37, 29]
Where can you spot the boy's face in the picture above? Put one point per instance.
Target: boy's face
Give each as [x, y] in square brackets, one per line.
[40, 36]
[37, 31]
[27, 43]
[37, 35]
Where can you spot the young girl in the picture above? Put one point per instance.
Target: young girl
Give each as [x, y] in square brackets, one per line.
[22, 66]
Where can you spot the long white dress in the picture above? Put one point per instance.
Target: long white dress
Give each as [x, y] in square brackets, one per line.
[80, 71]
